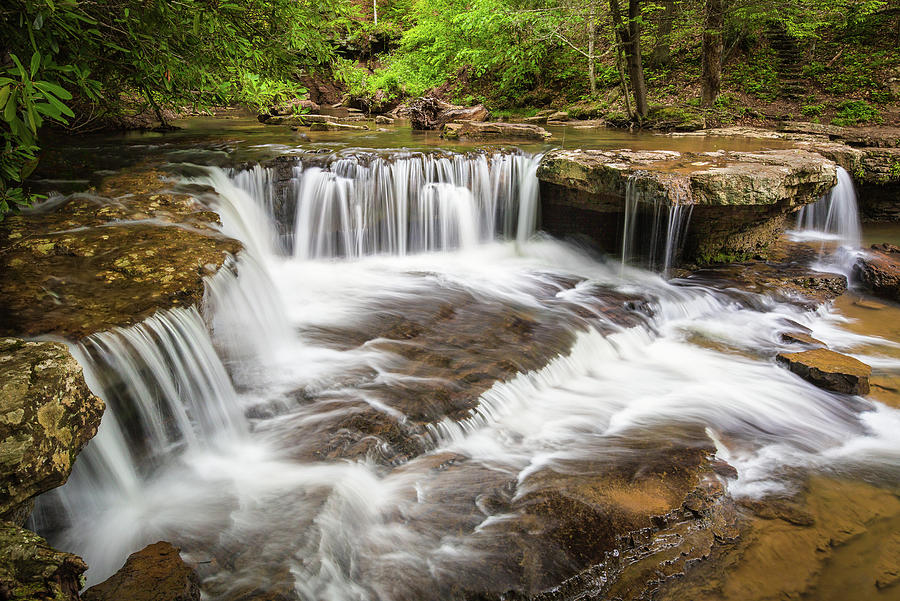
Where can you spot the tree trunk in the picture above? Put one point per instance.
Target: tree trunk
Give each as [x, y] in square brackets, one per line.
[662, 49]
[630, 36]
[712, 52]
[591, 32]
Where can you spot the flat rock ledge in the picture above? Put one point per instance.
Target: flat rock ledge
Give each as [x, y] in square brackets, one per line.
[107, 258]
[155, 573]
[474, 130]
[829, 370]
[740, 200]
[879, 270]
[47, 415]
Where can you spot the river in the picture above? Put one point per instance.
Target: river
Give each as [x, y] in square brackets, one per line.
[403, 390]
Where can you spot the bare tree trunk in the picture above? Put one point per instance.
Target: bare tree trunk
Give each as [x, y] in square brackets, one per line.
[592, 32]
[620, 67]
[662, 49]
[630, 35]
[712, 52]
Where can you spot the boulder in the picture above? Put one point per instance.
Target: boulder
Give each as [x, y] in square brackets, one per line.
[384, 120]
[47, 414]
[559, 116]
[740, 200]
[31, 570]
[432, 113]
[155, 573]
[331, 126]
[879, 270]
[829, 370]
[302, 120]
[472, 130]
[110, 258]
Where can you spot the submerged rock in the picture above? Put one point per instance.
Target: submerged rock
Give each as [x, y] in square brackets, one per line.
[107, 259]
[472, 130]
[879, 270]
[47, 414]
[829, 370]
[155, 573]
[31, 570]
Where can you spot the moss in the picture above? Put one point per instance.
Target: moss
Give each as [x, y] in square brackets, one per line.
[676, 118]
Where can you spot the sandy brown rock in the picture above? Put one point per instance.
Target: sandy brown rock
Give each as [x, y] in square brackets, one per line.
[107, 260]
[472, 130]
[332, 126]
[155, 573]
[31, 570]
[829, 370]
[879, 270]
[47, 414]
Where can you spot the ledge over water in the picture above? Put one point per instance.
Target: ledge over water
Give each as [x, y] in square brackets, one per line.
[740, 200]
[108, 258]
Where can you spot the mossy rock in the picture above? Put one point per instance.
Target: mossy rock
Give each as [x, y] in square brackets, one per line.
[586, 109]
[675, 118]
[31, 570]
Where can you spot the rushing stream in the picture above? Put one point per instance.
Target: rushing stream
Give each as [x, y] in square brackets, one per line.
[398, 361]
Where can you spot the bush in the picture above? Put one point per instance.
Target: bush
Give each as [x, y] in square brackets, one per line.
[856, 112]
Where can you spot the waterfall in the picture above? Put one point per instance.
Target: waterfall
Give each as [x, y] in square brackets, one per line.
[413, 203]
[629, 228]
[836, 214]
[669, 220]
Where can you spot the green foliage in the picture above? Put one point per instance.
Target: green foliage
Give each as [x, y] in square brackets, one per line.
[856, 112]
[757, 76]
[812, 110]
[190, 52]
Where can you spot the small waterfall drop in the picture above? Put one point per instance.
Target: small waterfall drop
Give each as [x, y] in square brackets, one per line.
[412, 203]
[654, 237]
[836, 214]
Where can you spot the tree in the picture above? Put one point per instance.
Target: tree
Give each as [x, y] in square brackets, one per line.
[628, 35]
[712, 52]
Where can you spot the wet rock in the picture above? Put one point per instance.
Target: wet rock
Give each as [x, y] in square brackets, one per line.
[879, 270]
[829, 370]
[155, 573]
[47, 414]
[384, 120]
[787, 282]
[558, 116]
[106, 259]
[801, 338]
[887, 568]
[309, 119]
[431, 113]
[471, 130]
[740, 200]
[31, 570]
[331, 126]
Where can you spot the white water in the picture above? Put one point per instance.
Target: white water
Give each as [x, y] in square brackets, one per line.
[204, 475]
[834, 217]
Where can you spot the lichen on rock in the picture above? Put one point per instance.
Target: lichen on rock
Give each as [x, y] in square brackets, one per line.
[31, 570]
[47, 414]
[107, 259]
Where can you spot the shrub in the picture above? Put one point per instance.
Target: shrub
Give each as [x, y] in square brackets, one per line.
[856, 112]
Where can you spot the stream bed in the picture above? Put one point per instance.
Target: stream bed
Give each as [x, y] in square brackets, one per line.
[401, 389]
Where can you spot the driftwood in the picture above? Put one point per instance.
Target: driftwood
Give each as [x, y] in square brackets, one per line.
[431, 113]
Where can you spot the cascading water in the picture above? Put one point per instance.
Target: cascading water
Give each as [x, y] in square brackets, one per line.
[322, 432]
[668, 225]
[835, 216]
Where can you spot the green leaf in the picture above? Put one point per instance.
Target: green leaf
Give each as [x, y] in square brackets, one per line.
[4, 95]
[46, 86]
[22, 72]
[62, 108]
[9, 113]
[35, 63]
[38, 21]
